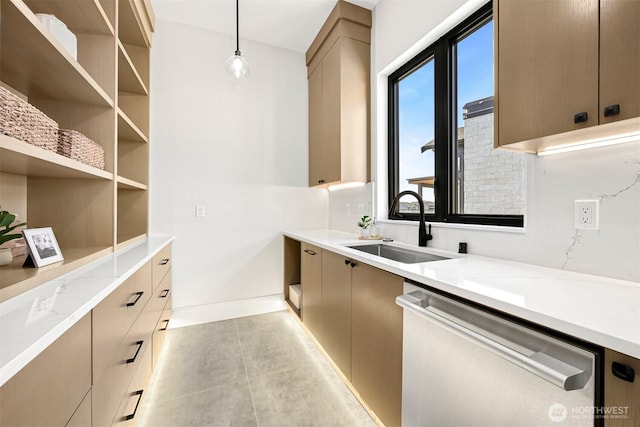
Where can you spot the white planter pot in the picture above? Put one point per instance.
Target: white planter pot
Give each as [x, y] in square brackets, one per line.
[5, 256]
[365, 233]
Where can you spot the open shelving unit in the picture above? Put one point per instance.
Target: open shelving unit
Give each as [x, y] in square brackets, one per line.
[104, 94]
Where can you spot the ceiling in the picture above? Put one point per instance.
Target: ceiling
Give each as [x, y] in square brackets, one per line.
[289, 24]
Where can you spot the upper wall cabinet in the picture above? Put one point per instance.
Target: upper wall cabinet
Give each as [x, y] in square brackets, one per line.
[564, 66]
[338, 64]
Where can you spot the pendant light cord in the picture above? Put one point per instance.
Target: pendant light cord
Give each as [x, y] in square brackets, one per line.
[237, 28]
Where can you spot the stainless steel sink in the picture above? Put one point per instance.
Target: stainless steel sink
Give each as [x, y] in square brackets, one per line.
[406, 256]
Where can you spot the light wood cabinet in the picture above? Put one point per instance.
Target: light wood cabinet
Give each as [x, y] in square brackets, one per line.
[104, 94]
[560, 65]
[338, 68]
[349, 308]
[619, 58]
[336, 309]
[621, 395]
[311, 285]
[376, 355]
[113, 317]
[51, 387]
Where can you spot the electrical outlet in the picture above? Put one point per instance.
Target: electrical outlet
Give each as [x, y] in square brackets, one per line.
[587, 214]
[200, 210]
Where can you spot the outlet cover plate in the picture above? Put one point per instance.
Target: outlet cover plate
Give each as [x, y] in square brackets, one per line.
[587, 214]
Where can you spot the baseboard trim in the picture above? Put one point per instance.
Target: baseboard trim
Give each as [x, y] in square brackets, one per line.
[188, 316]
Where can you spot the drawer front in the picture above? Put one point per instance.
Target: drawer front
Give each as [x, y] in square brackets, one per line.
[111, 387]
[160, 332]
[131, 402]
[161, 265]
[113, 317]
[48, 390]
[161, 295]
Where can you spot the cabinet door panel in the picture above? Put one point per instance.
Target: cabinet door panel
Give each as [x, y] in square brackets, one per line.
[316, 128]
[547, 67]
[619, 393]
[336, 310]
[48, 390]
[620, 58]
[376, 370]
[331, 115]
[310, 272]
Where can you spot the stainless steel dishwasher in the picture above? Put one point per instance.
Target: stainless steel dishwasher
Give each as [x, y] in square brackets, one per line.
[463, 366]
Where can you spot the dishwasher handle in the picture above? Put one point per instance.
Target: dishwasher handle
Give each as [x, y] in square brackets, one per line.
[559, 373]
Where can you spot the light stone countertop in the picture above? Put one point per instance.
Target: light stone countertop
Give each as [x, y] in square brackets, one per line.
[596, 309]
[31, 321]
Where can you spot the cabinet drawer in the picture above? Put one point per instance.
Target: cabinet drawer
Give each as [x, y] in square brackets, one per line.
[161, 295]
[113, 317]
[129, 355]
[161, 265]
[48, 390]
[160, 333]
[130, 404]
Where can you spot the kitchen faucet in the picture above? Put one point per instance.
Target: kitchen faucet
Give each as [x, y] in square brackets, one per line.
[423, 236]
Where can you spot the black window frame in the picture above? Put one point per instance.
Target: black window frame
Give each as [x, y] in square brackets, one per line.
[445, 94]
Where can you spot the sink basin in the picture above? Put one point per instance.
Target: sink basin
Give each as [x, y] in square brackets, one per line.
[406, 256]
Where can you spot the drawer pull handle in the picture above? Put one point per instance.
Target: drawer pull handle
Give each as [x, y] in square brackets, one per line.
[310, 252]
[133, 359]
[135, 301]
[612, 110]
[165, 261]
[624, 372]
[166, 325]
[580, 117]
[133, 414]
[164, 293]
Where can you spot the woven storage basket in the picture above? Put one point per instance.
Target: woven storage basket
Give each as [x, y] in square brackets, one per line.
[78, 147]
[23, 121]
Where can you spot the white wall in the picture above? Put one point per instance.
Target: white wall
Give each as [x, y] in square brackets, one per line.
[239, 149]
[611, 174]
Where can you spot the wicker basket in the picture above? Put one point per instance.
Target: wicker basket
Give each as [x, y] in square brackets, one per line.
[23, 121]
[78, 147]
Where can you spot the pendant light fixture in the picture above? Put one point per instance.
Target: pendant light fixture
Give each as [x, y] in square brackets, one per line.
[236, 65]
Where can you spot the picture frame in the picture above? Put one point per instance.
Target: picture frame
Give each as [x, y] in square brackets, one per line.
[42, 247]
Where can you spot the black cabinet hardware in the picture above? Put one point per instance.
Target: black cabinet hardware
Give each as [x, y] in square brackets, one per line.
[346, 262]
[166, 325]
[165, 261]
[581, 117]
[612, 110]
[321, 181]
[164, 293]
[624, 372]
[310, 252]
[133, 414]
[133, 359]
[135, 301]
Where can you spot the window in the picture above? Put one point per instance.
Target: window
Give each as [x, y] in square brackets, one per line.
[441, 133]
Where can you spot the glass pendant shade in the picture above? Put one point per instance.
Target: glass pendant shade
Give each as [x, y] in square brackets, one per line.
[237, 66]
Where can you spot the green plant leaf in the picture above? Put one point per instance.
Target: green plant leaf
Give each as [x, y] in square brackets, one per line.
[6, 218]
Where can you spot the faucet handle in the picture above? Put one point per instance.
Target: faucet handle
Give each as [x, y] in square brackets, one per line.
[429, 236]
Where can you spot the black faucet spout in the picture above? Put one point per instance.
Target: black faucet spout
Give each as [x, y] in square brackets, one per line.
[423, 236]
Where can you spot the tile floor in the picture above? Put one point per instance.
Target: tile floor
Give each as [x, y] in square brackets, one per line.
[253, 371]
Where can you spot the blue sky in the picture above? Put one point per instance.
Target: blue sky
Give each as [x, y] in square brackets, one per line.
[475, 81]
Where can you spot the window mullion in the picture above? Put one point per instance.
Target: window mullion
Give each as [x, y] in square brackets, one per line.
[442, 126]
